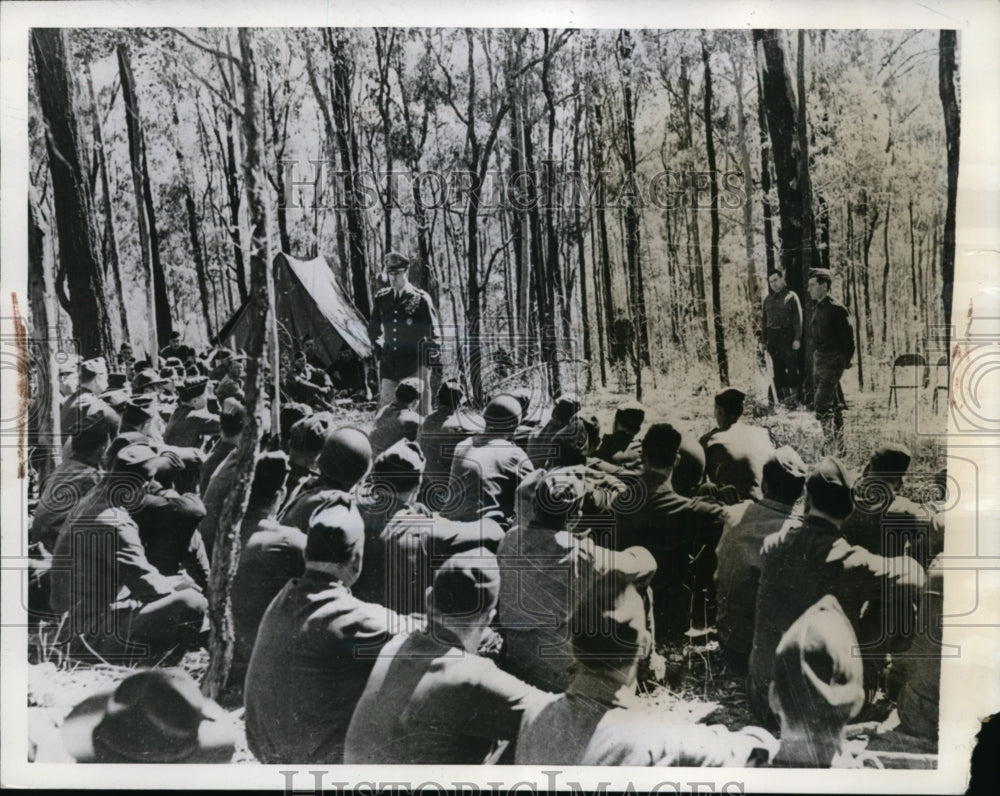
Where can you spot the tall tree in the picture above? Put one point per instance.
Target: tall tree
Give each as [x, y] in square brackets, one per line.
[722, 358]
[79, 257]
[948, 83]
[226, 554]
[161, 324]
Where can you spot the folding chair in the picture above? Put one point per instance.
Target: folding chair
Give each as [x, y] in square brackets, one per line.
[911, 362]
[940, 380]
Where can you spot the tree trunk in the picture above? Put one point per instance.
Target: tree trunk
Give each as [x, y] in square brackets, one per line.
[581, 247]
[790, 155]
[753, 283]
[720, 332]
[913, 257]
[603, 268]
[235, 200]
[885, 274]
[160, 322]
[193, 225]
[226, 554]
[109, 242]
[948, 77]
[78, 253]
[765, 178]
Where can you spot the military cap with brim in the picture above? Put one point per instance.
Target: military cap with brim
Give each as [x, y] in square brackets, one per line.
[67, 367]
[153, 716]
[136, 412]
[192, 388]
[891, 458]
[143, 460]
[394, 261]
[609, 623]
[467, 584]
[829, 486]
[404, 456]
[817, 673]
[147, 379]
[95, 366]
[117, 381]
[336, 531]
[821, 273]
[631, 415]
[408, 390]
[785, 462]
[173, 362]
[116, 399]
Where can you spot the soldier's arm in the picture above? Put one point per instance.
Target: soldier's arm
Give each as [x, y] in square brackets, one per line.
[145, 582]
[845, 333]
[375, 324]
[796, 315]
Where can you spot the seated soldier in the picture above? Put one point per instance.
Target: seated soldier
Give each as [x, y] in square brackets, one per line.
[342, 463]
[738, 565]
[672, 527]
[735, 452]
[231, 422]
[138, 613]
[315, 648]
[439, 435]
[430, 698]
[308, 384]
[390, 419]
[816, 689]
[84, 400]
[272, 555]
[622, 447]
[540, 445]
[69, 482]
[168, 523]
[305, 441]
[118, 391]
[546, 566]
[689, 472]
[488, 466]
[886, 523]
[191, 423]
[231, 383]
[405, 541]
[528, 421]
[290, 414]
[152, 716]
[809, 558]
[600, 721]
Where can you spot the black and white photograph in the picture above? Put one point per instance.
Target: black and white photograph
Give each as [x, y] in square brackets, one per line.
[509, 394]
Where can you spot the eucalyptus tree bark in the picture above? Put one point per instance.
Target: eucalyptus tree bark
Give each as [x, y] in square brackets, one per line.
[160, 323]
[109, 241]
[722, 359]
[79, 257]
[226, 554]
[948, 86]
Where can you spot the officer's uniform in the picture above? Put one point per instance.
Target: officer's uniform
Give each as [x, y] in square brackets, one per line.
[833, 341]
[405, 336]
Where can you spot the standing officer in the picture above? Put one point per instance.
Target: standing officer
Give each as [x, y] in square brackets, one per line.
[404, 333]
[833, 349]
[782, 324]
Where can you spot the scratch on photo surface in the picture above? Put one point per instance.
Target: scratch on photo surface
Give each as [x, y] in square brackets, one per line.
[21, 343]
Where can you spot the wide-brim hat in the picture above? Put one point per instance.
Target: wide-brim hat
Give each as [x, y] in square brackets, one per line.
[147, 378]
[169, 722]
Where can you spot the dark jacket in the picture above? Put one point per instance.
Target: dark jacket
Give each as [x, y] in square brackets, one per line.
[831, 329]
[404, 330]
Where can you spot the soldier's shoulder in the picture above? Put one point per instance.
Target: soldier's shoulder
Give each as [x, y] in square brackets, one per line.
[416, 291]
[383, 292]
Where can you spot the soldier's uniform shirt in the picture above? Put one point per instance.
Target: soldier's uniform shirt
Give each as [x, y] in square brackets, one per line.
[429, 702]
[80, 404]
[901, 528]
[272, 555]
[622, 449]
[313, 494]
[831, 329]
[406, 329]
[228, 387]
[112, 592]
[400, 561]
[544, 573]
[440, 433]
[314, 651]
[219, 487]
[62, 491]
[807, 559]
[737, 572]
[485, 473]
[736, 457]
[168, 528]
[782, 312]
[387, 429]
[541, 447]
[215, 457]
[187, 426]
[582, 727]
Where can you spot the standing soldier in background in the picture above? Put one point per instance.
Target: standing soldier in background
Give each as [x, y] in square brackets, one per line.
[404, 333]
[782, 325]
[623, 349]
[833, 349]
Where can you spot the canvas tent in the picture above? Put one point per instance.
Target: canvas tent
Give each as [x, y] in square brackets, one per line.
[309, 301]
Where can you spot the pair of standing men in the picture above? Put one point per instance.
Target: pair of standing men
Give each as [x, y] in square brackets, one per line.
[833, 345]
